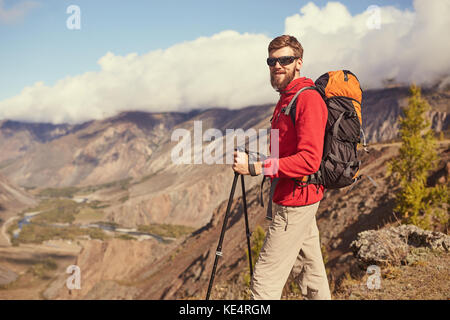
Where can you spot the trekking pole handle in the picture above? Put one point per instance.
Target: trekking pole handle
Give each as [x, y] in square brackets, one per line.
[253, 156]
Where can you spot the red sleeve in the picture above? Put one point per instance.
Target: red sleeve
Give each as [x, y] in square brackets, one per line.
[311, 119]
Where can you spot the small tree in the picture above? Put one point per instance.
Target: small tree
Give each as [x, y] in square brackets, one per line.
[415, 202]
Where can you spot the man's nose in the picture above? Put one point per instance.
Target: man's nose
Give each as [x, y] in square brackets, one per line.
[277, 65]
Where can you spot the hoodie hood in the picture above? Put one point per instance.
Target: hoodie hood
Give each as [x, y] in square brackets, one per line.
[294, 86]
[291, 89]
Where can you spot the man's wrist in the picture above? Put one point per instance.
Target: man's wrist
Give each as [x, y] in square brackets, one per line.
[258, 168]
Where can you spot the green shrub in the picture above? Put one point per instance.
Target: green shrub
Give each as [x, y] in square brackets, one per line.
[124, 199]
[257, 242]
[166, 230]
[122, 184]
[67, 192]
[57, 215]
[125, 237]
[34, 233]
[96, 233]
[43, 268]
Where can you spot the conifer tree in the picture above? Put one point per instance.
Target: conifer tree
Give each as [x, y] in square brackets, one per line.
[415, 202]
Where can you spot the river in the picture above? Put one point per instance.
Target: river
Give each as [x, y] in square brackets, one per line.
[104, 226]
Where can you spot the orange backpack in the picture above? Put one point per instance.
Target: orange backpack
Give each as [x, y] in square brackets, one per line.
[342, 94]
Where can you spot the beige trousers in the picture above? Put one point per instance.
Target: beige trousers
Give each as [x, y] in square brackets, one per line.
[292, 239]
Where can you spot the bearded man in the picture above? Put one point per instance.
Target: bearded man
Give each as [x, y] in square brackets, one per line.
[293, 236]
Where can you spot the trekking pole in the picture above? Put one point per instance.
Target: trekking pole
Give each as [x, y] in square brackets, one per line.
[247, 229]
[219, 246]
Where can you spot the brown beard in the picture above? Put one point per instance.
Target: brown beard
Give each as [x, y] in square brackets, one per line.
[287, 79]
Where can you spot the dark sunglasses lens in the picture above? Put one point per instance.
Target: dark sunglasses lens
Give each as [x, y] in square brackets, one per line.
[271, 61]
[286, 60]
[282, 60]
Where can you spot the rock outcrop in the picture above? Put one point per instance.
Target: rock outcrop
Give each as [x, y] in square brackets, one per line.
[391, 246]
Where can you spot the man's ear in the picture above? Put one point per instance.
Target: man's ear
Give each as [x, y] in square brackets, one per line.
[299, 64]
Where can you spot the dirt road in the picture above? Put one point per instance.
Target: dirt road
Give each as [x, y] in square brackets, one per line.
[5, 238]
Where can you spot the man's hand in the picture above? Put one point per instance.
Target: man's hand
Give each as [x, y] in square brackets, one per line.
[240, 164]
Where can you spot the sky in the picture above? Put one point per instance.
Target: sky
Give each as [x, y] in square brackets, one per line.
[179, 55]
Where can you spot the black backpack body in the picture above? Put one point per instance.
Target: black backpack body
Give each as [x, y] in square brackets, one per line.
[342, 94]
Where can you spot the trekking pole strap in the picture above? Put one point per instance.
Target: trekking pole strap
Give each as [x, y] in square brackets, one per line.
[251, 168]
[272, 191]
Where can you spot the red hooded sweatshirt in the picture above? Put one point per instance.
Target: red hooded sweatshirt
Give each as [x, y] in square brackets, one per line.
[300, 147]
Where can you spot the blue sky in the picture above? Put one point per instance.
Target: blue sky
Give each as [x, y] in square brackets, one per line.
[39, 47]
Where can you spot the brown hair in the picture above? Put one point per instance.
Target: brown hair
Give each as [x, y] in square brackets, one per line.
[287, 41]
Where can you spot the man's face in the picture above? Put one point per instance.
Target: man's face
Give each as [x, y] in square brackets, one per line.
[281, 76]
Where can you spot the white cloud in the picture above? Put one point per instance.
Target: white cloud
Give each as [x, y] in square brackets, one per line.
[17, 12]
[407, 46]
[225, 70]
[228, 69]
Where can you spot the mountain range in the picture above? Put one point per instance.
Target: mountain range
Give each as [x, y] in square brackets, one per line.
[133, 149]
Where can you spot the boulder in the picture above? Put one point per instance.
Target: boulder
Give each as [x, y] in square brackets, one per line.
[391, 246]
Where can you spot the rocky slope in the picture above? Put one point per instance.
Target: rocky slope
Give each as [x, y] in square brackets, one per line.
[381, 109]
[103, 271]
[13, 197]
[181, 271]
[138, 146]
[90, 153]
[184, 270]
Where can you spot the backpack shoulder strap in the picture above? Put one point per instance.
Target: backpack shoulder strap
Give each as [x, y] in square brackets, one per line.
[293, 103]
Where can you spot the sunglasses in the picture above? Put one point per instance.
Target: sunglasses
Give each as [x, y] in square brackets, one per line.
[283, 61]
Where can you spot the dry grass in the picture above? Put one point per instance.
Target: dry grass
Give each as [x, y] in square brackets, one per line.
[426, 276]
